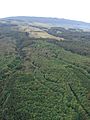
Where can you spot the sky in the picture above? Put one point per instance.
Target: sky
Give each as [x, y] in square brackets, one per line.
[68, 9]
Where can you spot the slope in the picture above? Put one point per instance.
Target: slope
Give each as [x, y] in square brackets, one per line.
[39, 80]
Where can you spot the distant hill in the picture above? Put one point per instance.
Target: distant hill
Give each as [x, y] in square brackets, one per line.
[53, 21]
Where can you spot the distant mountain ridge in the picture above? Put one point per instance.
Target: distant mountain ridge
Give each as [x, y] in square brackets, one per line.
[54, 21]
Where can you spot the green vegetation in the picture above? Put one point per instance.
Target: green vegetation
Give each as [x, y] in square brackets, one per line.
[41, 79]
[75, 40]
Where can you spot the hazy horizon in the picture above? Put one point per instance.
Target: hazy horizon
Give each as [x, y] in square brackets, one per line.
[70, 9]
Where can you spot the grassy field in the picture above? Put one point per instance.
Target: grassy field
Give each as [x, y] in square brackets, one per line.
[36, 32]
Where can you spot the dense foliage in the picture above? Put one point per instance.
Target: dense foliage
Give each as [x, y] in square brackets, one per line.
[76, 40]
[44, 79]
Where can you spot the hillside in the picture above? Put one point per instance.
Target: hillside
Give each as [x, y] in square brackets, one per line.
[53, 22]
[44, 71]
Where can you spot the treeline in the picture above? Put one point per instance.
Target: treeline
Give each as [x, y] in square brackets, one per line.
[75, 40]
